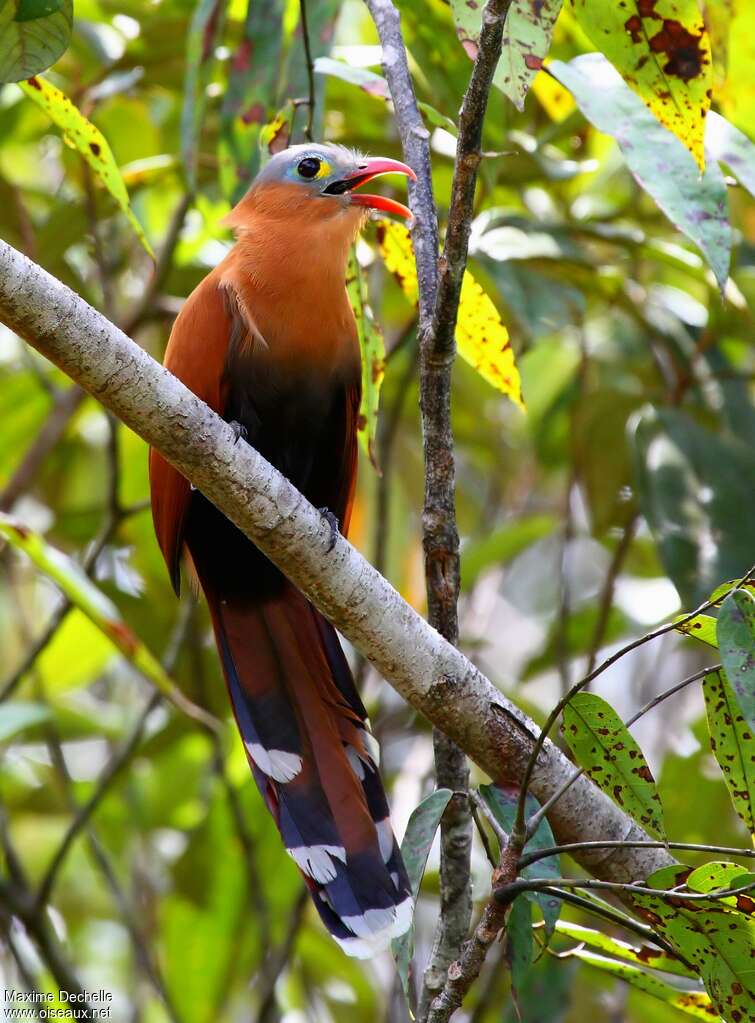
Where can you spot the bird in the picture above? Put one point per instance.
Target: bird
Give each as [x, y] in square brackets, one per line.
[269, 341]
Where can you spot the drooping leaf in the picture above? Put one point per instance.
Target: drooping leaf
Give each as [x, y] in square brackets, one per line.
[519, 941]
[415, 848]
[715, 939]
[526, 40]
[662, 51]
[369, 81]
[658, 160]
[691, 1003]
[689, 479]
[733, 745]
[82, 135]
[372, 347]
[603, 746]
[16, 715]
[481, 338]
[69, 577]
[502, 802]
[736, 641]
[33, 34]
[205, 31]
[731, 146]
[647, 956]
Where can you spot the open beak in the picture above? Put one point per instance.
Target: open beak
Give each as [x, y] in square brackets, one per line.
[366, 172]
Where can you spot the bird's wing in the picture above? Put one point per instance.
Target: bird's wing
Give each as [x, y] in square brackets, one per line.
[196, 354]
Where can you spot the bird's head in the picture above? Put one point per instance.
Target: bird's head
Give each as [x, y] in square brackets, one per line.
[319, 182]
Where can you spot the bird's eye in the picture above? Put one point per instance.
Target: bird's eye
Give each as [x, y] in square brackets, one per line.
[308, 167]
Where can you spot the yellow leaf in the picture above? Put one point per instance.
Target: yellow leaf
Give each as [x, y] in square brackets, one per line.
[81, 134]
[555, 100]
[662, 52]
[481, 338]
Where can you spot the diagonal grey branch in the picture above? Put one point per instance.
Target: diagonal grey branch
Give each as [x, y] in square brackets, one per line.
[431, 674]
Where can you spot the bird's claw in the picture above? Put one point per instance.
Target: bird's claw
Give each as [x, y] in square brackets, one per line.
[240, 432]
[332, 521]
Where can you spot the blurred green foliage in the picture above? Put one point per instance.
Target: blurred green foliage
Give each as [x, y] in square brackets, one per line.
[623, 493]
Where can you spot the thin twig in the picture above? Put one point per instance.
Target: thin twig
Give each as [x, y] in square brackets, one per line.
[310, 71]
[607, 663]
[536, 884]
[542, 854]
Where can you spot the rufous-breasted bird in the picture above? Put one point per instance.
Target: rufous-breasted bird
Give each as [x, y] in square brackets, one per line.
[268, 340]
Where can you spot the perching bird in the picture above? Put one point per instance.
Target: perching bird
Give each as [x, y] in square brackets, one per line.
[269, 341]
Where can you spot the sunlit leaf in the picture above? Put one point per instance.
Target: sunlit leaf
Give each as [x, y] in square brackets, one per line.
[415, 848]
[691, 1003]
[370, 82]
[733, 745]
[33, 34]
[89, 599]
[84, 136]
[526, 41]
[701, 627]
[658, 160]
[647, 956]
[736, 641]
[276, 134]
[557, 101]
[481, 338]
[736, 95]
[718, 875]
[603, 746]
[372, 347]
[16, 715]
[662, 51]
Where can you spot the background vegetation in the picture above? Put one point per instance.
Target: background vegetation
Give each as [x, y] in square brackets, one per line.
[623, 495]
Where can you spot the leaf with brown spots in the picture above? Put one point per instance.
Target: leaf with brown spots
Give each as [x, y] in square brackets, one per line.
[662, 51]
[481, 338]
[603, 746]
[372, 348]
[33, 35]
[690, 1003]
[717, 940]
[736, 641]
[647, 956]
[527, 37]
[81, 134]
[717, 875]
[733, 744]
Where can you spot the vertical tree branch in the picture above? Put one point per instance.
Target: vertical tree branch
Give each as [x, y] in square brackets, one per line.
[310, 70]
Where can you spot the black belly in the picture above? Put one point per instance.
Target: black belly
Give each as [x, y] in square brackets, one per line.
[299, 424]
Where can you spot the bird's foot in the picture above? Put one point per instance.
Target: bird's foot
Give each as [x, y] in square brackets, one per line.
[240, 432]
[332, 521]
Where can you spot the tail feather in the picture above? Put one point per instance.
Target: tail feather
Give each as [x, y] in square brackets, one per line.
[307, 739]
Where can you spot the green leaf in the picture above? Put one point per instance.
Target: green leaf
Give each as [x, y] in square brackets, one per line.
[415, 848]
[733, 745]
[502, 802]
[647, 956]
[662, 52]
[658, 160]
[372, 348]
[17, 715]
[736, 95]
[718, 875]
[370, 82]
[205, 30]
[689, 479]
[526, 40]
[736, 641]
[83, 594]
[691, 1003]
[33, 35]
[728, 144]
[602, 745]
[717, 941]
[701, 627]
[519, 941]
[81, 134]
